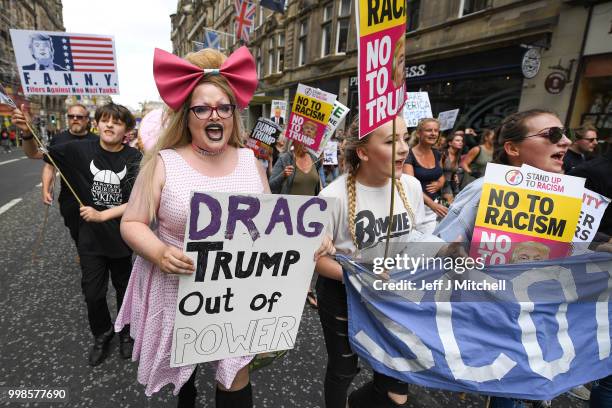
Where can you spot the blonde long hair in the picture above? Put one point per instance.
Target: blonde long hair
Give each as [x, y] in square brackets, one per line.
[351, 164]
[176, 132]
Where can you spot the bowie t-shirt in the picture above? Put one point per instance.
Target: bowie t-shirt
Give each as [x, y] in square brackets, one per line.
[372, 217]
[102, 180]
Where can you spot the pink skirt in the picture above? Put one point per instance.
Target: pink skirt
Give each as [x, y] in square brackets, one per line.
[149, 308]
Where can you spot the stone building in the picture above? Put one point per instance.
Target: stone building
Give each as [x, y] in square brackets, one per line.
[45, 15]
[467, 54]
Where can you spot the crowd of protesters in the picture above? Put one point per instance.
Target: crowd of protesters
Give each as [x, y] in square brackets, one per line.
[201, 146]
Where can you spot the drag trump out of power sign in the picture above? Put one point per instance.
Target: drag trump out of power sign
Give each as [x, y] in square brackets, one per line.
[254, 261]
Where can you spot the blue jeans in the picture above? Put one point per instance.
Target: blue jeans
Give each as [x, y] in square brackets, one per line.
[601, 393]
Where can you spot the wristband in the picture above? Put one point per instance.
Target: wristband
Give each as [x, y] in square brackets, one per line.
[24, 137]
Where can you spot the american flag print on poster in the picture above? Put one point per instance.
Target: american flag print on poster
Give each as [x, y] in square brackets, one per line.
[88, 53]
[60, 63]
[245, 16]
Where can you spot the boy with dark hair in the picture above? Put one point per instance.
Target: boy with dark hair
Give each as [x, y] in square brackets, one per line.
[102, 172]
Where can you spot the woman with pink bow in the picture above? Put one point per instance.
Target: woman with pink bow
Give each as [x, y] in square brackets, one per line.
[200, 148]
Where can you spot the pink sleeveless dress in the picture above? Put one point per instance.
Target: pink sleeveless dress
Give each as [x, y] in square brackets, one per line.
[150, 299]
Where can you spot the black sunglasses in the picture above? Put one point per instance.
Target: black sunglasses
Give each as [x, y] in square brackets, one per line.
[554, 134]
[77, 117]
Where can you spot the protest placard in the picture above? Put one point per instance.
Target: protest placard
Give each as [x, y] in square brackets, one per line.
[330, 154]
[278, 111]
[310, 114]
[525, 214]
[338, 114]
[263, 137]
[447, 119]
[381, 27]
[593, 207]
[417, 107]
[254, 261]
[60, 63]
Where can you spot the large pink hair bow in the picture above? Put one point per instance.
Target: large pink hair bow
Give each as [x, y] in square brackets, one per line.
[176, 78]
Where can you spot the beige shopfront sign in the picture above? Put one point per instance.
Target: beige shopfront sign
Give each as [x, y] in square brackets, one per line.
[599, 40]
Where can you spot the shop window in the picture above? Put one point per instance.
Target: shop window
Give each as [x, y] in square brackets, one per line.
[413, 9]
[280, 53]
[344, 14]
[326, 29]
[471, 6]
[302, 42]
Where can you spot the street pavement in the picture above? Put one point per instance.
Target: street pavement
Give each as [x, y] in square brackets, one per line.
[44, 335]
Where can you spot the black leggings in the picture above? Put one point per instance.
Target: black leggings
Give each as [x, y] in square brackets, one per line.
[242, 398]
[342, 362]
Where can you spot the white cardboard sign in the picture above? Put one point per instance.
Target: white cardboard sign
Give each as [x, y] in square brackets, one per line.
[254, 261]
[447, 119]
[417, 107]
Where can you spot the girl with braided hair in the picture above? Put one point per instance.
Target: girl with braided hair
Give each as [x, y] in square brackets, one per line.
[359, 221]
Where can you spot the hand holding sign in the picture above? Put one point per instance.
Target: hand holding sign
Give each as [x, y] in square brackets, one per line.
[21, 119]
[172, 260]
[288, 171]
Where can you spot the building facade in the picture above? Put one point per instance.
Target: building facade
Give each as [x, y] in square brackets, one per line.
[45, 15]
[488, 58]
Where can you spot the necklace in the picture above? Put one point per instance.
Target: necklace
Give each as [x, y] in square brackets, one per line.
[204, 152]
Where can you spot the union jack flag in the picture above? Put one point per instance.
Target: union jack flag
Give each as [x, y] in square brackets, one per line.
[245, 16]
[87, 54]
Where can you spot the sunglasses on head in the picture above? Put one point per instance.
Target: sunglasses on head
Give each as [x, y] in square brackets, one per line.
[554, 134]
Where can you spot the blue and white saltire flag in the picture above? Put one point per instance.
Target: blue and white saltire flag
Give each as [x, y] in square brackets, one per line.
[211, 39]
[274, 5]
[544, 331]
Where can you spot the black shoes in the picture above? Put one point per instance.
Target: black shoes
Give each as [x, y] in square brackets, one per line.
[99, 351]
[368, 396]
[126, 344]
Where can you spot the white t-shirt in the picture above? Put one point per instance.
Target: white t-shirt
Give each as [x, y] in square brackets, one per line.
[372, 218]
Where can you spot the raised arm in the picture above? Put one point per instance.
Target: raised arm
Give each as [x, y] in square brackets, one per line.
[20, 119]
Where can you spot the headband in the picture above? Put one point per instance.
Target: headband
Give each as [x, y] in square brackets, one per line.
[176, 78]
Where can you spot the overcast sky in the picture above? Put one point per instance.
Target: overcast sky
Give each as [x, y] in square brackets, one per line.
[138, 27]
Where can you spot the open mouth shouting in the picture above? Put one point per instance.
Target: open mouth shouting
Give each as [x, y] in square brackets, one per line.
[558, 157]
[214, 132]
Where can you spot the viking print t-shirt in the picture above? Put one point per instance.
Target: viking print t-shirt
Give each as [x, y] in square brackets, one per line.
[102, 180]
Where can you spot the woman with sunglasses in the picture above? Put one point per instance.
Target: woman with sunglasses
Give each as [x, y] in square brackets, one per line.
[534, 137]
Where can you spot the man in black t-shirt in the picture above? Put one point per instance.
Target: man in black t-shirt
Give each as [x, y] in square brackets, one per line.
[78, 130]
[102, 172]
